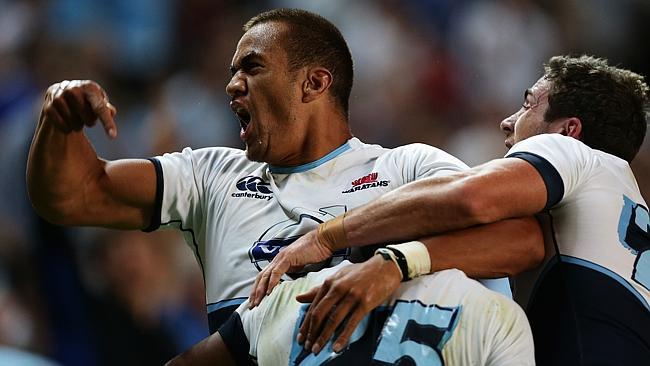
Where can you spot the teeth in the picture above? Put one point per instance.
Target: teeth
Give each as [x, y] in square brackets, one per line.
[244, 117]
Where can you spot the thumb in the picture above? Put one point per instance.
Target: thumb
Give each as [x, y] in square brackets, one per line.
[308, 296]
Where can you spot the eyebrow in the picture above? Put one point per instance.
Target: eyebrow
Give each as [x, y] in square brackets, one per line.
[243, 61]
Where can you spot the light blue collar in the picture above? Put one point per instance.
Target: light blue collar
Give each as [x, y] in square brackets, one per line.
[305, 167]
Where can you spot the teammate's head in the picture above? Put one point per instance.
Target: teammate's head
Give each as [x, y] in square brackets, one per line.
[311, 40]
[609, 101]
[584, 97]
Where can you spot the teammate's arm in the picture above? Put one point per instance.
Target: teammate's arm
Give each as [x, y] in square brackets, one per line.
[500, 249]
[209, 352]
[496, 190]
[67, 182]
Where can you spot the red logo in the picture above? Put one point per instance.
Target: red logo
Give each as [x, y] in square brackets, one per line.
[372, 177]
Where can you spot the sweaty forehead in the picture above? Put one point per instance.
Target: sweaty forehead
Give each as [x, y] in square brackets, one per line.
[261, 39]
[542, 84]
[540, 88]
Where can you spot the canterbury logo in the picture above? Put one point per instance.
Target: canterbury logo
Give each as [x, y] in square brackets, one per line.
[261, 189]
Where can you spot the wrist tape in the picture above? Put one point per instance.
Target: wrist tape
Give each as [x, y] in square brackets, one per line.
[332, 233]
[412, 258]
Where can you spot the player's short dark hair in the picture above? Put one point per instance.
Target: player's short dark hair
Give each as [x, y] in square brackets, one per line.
[610, 102]
[312, 40]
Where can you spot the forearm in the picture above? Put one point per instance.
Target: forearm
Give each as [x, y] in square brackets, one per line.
[504, 248]
[497, 190]
[59, 167]
[413, 211]
[68, 184]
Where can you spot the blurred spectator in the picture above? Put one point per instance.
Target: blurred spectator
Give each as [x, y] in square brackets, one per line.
[140, 295]
[22, 316]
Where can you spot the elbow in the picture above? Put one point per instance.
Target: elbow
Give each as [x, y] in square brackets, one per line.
[535, 241]
[530, 250]
[51, 210]
[53, 215]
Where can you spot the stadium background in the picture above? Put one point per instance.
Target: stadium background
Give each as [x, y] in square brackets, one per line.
[443, 72]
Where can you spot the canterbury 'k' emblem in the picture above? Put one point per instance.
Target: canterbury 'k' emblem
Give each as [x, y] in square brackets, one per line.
[253, 187]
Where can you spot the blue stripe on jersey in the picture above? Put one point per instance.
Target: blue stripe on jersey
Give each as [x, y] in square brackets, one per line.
[607, 272]
[305, 167]
[223, 303]
[552, 179]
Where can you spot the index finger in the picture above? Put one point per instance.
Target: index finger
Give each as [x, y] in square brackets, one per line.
[104, 110]
[259, 288]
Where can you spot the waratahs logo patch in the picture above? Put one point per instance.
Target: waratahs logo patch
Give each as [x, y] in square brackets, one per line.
[367, 181]
[282, 234]
[253, 187]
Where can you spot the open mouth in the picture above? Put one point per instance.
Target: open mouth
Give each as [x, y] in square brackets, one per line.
[244, 118]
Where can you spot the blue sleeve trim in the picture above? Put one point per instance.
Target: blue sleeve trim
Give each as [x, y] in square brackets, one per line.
[232, 333]
[157, 209]
[219, 312]
[552, 179]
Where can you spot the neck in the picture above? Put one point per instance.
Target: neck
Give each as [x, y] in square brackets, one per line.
[328, 130]
[326, 133]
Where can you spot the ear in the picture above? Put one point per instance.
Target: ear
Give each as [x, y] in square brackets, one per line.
[571, 127]
[316, 83]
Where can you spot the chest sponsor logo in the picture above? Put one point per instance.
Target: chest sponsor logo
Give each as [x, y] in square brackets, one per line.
[366, 182]
[253, 187]
[282, 234]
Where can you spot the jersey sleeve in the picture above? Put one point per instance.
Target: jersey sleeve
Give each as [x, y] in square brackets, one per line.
[178, 195]
[182, 178]
[560, 160]
[419, 161]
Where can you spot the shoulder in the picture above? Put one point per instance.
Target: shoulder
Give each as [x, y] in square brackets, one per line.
[424, 152]
[558, 151]
[209, 158]
[551, 144]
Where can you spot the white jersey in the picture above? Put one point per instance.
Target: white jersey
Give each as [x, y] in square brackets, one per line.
[597, 218]
[440, 319]
[237, 214]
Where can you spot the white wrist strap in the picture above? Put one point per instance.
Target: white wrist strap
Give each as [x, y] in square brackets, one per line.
[417, 257]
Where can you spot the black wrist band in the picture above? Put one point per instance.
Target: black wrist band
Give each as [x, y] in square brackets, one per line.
[401, 263]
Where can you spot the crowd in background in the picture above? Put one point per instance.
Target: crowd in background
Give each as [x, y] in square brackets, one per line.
[442, 72]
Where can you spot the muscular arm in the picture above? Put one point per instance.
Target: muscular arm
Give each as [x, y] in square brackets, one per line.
[487, 251]
[502, 195]
[67, 182]
[501, 249]
[497, 190]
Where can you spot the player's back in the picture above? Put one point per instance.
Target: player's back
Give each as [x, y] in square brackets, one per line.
[443, 315]
[592, 288]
